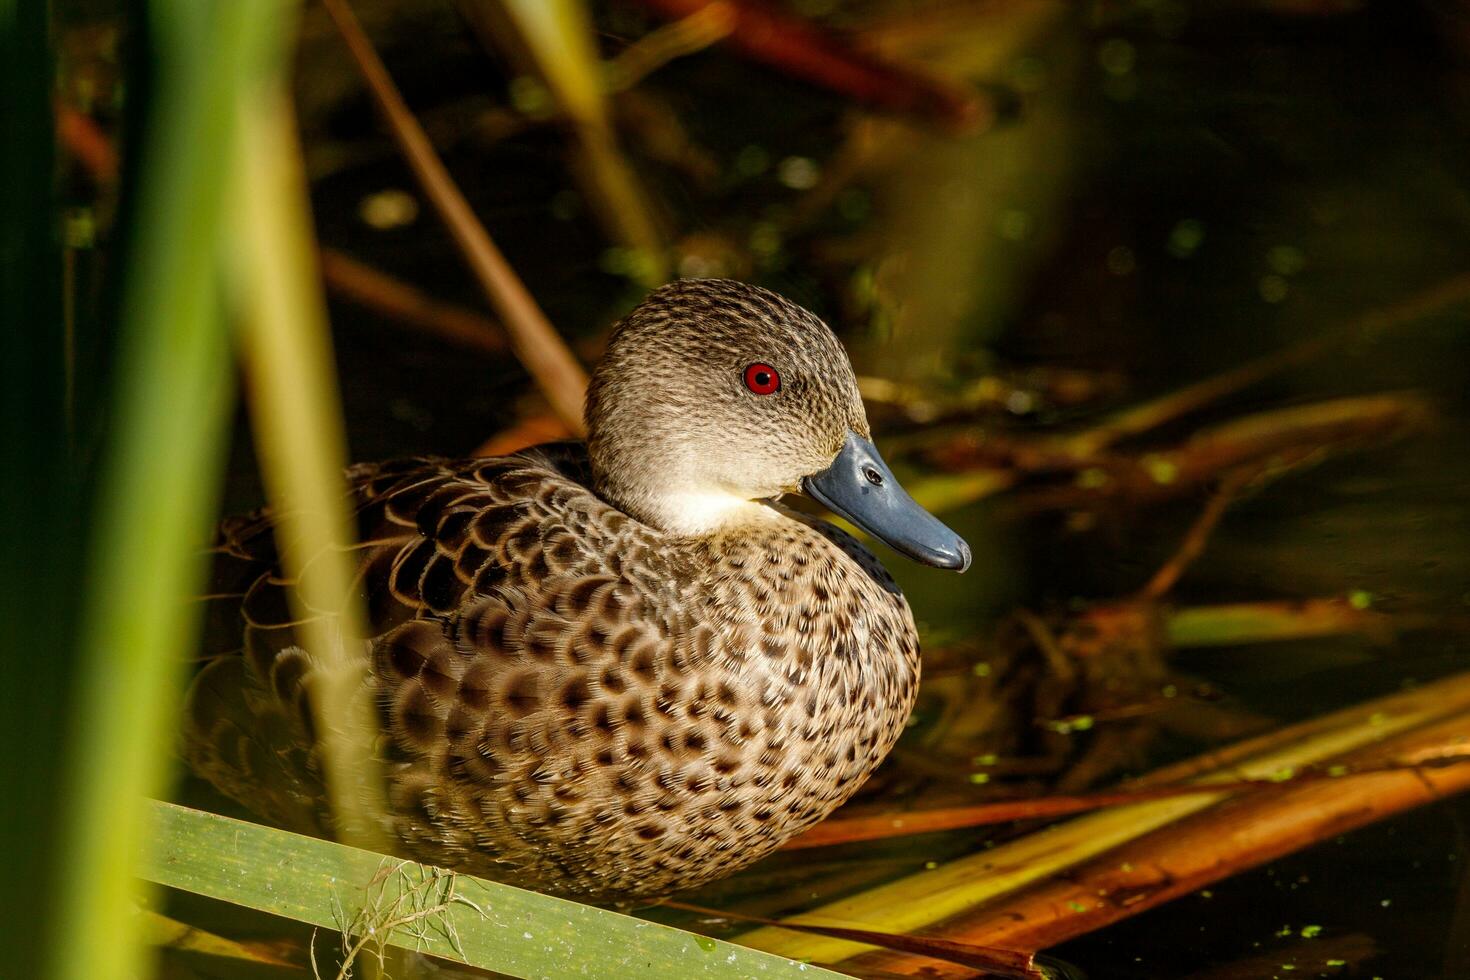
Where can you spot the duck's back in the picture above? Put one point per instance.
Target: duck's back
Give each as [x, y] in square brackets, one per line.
[569, 700]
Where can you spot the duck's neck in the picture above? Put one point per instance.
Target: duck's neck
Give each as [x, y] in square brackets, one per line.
[686, 509]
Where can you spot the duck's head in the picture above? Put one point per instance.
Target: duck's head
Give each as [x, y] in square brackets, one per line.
[714, 395]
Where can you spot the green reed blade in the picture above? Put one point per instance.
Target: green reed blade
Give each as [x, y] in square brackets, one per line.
[159, 478]
[460, 918]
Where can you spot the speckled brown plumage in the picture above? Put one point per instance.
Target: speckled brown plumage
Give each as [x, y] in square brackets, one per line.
[572, 698]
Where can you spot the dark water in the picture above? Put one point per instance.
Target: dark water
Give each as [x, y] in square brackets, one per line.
[1183, 188]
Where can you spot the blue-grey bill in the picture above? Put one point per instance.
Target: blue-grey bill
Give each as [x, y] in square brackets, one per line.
[860, 487]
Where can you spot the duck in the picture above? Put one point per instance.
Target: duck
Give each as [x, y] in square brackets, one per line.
[608, 671]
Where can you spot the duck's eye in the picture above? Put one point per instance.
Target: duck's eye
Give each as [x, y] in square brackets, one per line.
[762, 379]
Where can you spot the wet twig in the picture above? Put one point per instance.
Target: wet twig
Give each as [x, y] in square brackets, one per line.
[708, 25]
[350, 279]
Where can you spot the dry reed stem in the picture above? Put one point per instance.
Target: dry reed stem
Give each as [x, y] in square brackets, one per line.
[923, 899]
[537, 344]
[1178, 860]
[530, 431]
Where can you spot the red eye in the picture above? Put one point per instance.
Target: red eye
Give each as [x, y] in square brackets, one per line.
[762, 379]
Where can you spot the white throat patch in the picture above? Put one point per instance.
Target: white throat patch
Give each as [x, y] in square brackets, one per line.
[701, 512]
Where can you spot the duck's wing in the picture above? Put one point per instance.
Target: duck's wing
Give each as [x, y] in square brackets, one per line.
[498, 591]
[248, 727]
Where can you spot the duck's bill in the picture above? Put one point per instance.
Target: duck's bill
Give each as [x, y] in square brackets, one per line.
[860, 487]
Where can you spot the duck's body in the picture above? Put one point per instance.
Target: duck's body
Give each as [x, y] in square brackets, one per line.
[572, 700]
[609, 675]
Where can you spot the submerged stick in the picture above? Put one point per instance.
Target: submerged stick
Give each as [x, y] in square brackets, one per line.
[685, 36]
[1233, 624]
[553, 366]
[802, 50]
[530, 431]
[1198, 536]
[1151, 415]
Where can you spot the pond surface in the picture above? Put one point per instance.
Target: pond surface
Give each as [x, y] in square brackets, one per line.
[1174, 190]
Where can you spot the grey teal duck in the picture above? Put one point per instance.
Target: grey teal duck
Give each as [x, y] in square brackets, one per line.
[614, 671]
